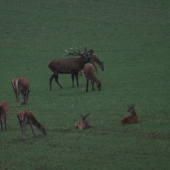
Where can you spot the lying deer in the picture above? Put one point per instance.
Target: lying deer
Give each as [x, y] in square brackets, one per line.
[26, 117]
[89, 72]
[130, 119]
[21, 85]
[84, 124]
[4, 109]
[70, 66]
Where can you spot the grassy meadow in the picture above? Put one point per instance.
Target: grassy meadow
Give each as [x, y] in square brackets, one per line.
[133, 40]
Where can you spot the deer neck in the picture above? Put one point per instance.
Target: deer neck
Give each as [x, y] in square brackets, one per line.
[133, 113]
[37, 124]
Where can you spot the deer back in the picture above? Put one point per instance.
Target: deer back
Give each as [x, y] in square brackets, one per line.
[4, 108]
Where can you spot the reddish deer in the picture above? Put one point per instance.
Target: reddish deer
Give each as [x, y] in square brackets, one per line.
[4, 109]
[130, 119]
[70, 66]
[21, 85]
[26, 117]
[89, 72]
[95, 59]
[84, 124]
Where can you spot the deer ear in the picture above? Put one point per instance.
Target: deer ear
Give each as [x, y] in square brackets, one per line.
[101, 79]
[133, 105]
[87, 114]
[81, 115]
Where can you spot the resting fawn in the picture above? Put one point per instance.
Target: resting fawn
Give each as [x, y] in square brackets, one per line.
[130, 119]
[84, 124]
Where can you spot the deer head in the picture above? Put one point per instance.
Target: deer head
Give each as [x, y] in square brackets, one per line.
[131, 109]
[84, 118]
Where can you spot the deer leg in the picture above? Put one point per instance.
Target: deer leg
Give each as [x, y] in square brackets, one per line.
[51, 79]
[56, 79]
[72, 76]
[76, 74]
[92, 83]
[87, 86]
[5, 122]
[23, 99]
[17, 97]
[20, 123]
[32, 129]
[14, 89]
[1, 124]
[24, 127]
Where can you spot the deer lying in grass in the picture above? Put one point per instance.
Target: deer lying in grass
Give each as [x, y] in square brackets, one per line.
[89, 72]
[70, 66]
[4, 109]
[21, 85]
[84, 124]
[26, 117]
[95, 59]
[130, 119]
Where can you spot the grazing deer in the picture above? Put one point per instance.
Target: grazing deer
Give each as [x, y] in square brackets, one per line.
[84, 124]
[4, 109]
[95, 59]
[130, 119]
[89, 72]
[70, 66]
[26, 117]
[21, 85]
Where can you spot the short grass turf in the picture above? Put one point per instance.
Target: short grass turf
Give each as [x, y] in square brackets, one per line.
[133, 40]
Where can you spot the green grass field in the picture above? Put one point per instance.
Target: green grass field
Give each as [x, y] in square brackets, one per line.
[133, 40]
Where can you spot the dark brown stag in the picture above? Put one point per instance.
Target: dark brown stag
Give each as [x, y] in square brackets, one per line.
[70, 66]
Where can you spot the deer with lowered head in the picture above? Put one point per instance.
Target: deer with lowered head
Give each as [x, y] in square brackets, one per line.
[93, 61]
[89, 72]
[130, 119]
[26, 117]
[21, 85]
[70, 66]
[84, 124]
[4, 109]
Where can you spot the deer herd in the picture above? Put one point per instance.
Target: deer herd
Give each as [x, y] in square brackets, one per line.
[84, 61]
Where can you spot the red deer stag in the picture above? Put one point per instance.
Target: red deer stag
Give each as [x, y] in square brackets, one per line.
[95, 59]
[70, 66]
[26, 117]
[89, 72]
[130, 119]
[84, 124]
[4, 109]
[21, 85]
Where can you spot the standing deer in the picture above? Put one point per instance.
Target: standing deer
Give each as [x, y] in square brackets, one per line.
[21, 85]
[130, 119]
[4, 109]
[89, 72]
[95, 59]
[70, 66]
[84, 124]
[26, 117]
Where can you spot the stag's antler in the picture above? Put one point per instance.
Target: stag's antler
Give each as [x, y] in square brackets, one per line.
[88, 54]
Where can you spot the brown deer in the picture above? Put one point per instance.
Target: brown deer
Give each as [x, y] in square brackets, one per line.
[130, 119]
[4, 109]
[70, 66]
[26, 117]
[21, 85]
[89, 72]
[95, 59]
[84, 124]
